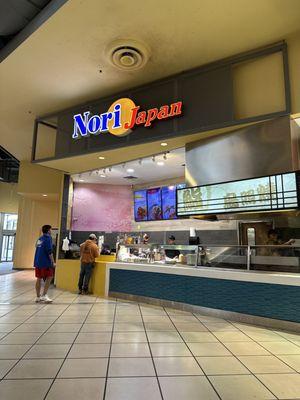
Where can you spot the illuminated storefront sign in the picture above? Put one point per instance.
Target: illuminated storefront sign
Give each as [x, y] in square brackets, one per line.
[122, 116]
[277, 192]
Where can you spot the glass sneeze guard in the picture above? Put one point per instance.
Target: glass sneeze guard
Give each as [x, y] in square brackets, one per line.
[247, 258]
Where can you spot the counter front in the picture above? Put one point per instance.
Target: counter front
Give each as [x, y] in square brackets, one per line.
[266, 298]
[67, 274]
[258, 295]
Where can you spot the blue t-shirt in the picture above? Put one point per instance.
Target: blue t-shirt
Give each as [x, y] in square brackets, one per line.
[43, 251]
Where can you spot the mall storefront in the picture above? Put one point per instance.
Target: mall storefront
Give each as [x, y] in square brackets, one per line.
[208, 156]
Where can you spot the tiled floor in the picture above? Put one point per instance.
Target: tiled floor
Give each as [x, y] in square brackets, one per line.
[83, 347]
[6, 268]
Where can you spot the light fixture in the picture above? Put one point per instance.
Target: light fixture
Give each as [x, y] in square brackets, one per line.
[124, 165]
[153, 158]
[165, 156]
[101, 158]
[110, 168]
[140, 161]
[104, 170]
[102, 176]
[160, 163]
[164, 144]
[81, 180]
[130, 170]
[45, 195]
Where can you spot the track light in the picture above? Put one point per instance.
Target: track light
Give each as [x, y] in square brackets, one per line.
[165, 156]
[109, 169]
[153, 158]
[140, 161]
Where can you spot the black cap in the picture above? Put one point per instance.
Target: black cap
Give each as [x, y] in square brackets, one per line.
[172, 237]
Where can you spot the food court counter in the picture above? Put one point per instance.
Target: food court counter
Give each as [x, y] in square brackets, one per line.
[270, 295]
[67, 274]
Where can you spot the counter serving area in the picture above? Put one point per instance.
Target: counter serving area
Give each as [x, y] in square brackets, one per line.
[245, 271]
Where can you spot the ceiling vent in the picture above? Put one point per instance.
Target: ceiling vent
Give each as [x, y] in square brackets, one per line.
[128, 55]
[129, 177]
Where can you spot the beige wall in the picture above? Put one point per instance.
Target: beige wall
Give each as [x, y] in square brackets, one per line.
[35, 179]
[8, 197]
[35, 210]
[258, 86]
[33, 214]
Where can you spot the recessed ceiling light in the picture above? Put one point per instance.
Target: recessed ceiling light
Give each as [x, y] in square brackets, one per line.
[81, 180]
[102, 176]
[45, 195]
[164, 144]
[160, 163]
[130, 170]
[101, 158]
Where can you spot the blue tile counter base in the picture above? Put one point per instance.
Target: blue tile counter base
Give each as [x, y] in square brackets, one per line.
[259, 299]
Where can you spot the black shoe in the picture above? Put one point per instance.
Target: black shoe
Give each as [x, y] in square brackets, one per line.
[80, 292]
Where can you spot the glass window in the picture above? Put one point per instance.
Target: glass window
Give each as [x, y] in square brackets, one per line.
[251, 236]
[10, 222]
[7, 248]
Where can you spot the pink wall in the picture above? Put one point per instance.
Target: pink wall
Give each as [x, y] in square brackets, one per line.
[102, 208]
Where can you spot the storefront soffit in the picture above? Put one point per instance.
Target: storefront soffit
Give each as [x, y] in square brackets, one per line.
[62, 63]
[91, 161]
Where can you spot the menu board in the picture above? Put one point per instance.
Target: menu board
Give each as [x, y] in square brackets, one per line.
[154, 204]
[169, 202]
[275, 192]
[140, 205]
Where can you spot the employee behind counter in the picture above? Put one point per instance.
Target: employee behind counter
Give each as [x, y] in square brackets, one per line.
[172, 253]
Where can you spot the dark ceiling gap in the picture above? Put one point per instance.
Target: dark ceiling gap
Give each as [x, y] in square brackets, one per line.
[20, 18]
[9, 167]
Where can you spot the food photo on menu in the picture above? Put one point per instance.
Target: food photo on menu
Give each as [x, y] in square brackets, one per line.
[154, 204]
[140, 205]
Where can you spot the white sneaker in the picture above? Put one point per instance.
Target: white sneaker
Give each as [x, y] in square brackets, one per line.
[46, 299]
[38, 300]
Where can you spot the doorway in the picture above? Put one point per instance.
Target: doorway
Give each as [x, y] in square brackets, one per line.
[7, 248]
[254, 233]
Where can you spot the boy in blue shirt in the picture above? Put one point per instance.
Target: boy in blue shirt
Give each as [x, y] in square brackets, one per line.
[44, 264]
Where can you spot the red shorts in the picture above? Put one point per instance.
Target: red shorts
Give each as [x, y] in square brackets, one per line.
[43, 273]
